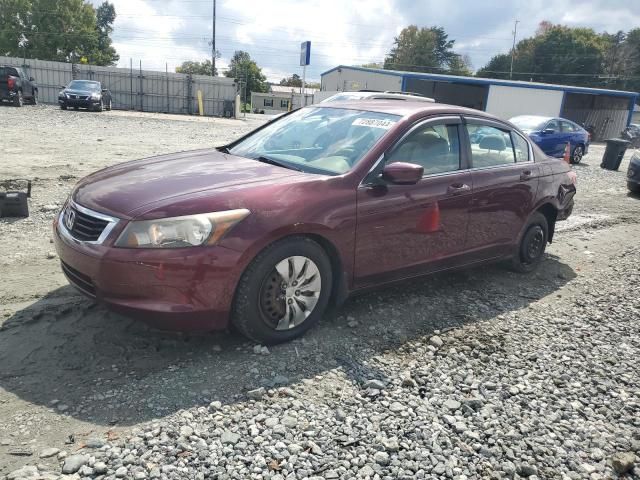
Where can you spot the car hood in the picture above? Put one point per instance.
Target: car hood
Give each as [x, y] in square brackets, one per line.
[132, 188]
[75, 91]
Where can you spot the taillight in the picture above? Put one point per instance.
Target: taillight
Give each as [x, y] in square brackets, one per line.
[11, 83]
[589, 137]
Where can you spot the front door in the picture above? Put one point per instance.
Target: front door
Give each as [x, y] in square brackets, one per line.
[406, 230]
[505, 183]
[551, 142]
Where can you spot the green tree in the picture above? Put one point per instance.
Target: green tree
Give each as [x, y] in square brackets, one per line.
[292, 81]
[377, 65]
[422, 50]
[196, 68]
[62, 30]
[243, 68]
[105, 54]
[556, 54]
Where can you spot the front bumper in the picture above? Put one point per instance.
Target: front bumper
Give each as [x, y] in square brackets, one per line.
[81, 103]
[175, 289]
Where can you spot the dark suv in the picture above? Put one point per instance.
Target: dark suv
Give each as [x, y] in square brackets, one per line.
[16, 86]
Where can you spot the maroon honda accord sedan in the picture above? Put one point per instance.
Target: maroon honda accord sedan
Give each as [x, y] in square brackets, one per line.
[266, 232]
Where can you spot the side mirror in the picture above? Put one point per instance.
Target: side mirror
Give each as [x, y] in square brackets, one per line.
[402, 173]
[31, 79]
[104, 90]
[548, 131]
[63, 86]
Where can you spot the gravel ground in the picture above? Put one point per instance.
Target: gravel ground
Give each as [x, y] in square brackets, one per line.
[474, 374]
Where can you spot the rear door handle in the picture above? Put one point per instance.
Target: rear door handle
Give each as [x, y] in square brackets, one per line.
[525, 175]
[458, 188]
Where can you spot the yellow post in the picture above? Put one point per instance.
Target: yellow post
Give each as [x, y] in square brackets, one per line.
[200, 107]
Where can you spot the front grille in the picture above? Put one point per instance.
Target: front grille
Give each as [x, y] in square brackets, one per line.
[78, 97]
[86, 227]
[79, 280]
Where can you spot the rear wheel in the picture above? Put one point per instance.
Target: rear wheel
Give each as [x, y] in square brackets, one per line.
[532, 244]
[633, 187]
[577, 154]
[34, 99]
[18, 100]
[109, 105]
[284, 291]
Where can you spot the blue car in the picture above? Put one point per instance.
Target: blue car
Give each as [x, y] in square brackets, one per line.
[552, 134]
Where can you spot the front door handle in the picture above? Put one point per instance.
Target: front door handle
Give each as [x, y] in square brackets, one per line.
[525, 175]
[458, 188]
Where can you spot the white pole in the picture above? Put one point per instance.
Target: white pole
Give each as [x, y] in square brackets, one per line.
[304, 77]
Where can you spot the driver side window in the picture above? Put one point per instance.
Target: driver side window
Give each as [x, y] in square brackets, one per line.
[434, 147]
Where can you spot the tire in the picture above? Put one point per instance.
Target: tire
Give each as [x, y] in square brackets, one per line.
[18, 100]
[633, 187]
[576, 155]
[109, 106]
[267, 314]
[100, 106]
[76, 108]
[532, 245]
[63, 107]
[34, 99]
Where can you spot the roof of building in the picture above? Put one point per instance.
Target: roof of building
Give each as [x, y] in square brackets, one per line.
[489, 81]
[287, 89]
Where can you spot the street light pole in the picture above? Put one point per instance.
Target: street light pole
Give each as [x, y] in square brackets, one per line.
[213, 41]
[513, 48]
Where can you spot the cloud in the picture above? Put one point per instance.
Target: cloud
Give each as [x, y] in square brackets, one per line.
[353, 32]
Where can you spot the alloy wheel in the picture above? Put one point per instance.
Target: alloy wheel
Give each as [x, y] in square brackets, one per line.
[577, 155]
[290, 292]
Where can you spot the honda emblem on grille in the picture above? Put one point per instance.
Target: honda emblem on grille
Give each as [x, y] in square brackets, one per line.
[69, 218]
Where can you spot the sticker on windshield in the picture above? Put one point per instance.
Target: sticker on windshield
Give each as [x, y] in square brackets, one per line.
[374, 122]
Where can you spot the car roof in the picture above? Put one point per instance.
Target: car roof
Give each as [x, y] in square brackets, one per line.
[405, 108]
[540, 118]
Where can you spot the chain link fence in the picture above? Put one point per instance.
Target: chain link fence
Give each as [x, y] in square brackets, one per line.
[134, 88]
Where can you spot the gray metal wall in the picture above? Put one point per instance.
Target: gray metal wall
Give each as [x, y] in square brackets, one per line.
[608, 114]
[134, 88]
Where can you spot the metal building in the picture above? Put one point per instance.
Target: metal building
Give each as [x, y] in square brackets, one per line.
[608, 111]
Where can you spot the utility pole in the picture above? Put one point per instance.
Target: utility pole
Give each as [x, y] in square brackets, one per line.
[513, 48]
[213, 41]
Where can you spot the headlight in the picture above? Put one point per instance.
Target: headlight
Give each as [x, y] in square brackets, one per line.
[62, 94]
[179, 232]
[95, 96]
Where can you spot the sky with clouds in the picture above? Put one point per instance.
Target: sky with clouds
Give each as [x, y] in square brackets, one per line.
[352, 32]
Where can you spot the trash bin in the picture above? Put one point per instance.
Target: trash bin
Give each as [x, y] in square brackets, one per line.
[614, 153]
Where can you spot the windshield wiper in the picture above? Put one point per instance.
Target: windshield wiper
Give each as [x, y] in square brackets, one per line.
[272, 161]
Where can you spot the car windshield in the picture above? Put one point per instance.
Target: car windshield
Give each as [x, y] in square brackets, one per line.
[317, 139]
[529, 123]
[84, 85]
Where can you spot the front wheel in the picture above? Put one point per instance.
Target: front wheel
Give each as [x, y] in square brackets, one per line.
[633, 187]
[532, 245]
[109, 105]
[100, 106]
[284, 291]
[63, 106]
[577, 154]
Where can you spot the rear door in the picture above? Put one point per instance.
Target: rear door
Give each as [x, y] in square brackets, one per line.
[505, 182]
[407, 230]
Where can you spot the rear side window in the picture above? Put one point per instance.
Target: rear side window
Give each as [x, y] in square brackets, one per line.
[490, 146]
[4, 71]
[435, 147]
[567, 126]
[520, 147]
